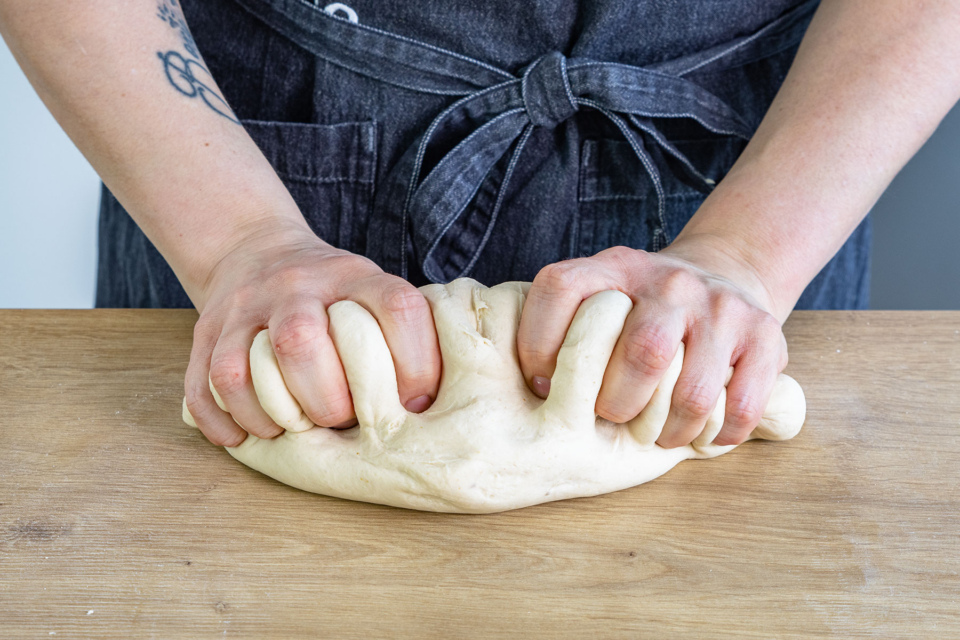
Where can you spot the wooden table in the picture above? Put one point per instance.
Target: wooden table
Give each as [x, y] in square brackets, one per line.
[117, 520]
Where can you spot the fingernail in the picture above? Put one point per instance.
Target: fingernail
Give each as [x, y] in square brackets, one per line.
[541, 386]
[345, 424]
[418, 404]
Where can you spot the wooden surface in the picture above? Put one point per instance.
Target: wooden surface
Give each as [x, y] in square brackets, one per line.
[118, 521]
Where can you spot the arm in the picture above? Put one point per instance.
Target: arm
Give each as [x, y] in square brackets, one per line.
[189, 175]
[871, 81]
[128, 85]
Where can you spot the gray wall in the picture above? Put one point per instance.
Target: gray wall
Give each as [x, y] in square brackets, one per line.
[916, 258]
[49, 195]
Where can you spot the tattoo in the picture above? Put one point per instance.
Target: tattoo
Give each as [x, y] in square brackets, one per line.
[182, 74]
[187, 74]
[170, 12]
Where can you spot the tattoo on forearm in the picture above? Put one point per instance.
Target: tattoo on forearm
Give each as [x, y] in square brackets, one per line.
[187, 73]
[169, 11]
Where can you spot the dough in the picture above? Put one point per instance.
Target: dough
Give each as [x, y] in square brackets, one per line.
[488, 443]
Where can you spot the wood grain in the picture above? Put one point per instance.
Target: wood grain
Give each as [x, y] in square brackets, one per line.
[117, 520]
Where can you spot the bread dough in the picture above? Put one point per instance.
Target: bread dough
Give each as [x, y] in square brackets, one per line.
[487, 443]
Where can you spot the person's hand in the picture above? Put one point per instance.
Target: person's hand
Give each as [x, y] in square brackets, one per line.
[284, 281]
[690, 292]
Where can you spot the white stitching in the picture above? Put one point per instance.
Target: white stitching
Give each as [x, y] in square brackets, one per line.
[528, 129]
[566, 82]
[523, 85]
[411, 41]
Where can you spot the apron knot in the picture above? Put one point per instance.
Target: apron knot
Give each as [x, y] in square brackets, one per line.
[545, 88]
[476, 142]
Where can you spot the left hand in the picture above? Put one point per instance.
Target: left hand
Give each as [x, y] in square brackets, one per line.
[694, 291]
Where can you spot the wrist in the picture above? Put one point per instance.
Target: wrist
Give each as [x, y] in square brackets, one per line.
[250, 248]
[749, 229]
[722, 257]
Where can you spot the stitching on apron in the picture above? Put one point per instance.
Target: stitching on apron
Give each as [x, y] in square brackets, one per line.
[411, 41]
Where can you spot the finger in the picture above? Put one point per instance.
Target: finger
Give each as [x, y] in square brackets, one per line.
[309, 365]
[646, 348]
[647, 427]
[705, 365]
[369, 367]
[186, 415]
[217, 425]
[584, 356]
[230, 380]
[272, 392]
[703, 443]
[550, 306]
[754, 377]
[407, 325]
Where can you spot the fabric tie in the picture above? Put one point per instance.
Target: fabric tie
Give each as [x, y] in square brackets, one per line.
[488, 122]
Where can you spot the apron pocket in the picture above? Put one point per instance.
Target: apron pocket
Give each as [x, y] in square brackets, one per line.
[618, 201]
[329, 170]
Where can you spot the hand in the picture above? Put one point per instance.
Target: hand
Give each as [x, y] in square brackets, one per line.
[691, 292]
[284, 280]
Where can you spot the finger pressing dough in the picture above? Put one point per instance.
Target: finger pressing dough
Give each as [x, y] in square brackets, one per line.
[488, 443]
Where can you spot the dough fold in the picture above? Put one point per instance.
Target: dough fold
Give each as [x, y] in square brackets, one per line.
[487, 444]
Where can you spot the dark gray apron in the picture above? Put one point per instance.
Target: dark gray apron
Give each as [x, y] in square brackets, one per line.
[444, 138]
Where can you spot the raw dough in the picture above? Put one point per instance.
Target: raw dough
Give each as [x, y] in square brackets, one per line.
[488, 443]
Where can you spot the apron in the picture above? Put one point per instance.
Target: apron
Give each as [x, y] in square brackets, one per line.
[448, 138]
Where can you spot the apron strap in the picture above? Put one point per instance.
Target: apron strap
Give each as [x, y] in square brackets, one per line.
[499, 120]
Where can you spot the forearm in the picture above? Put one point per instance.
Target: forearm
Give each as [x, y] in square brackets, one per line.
[111, 74]
[870, 83]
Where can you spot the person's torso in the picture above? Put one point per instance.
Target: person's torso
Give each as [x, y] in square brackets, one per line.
[344, 99]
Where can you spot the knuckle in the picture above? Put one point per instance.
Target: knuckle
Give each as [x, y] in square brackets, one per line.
[535, 356]
[243, 297]
[266, 431]
[197, 402]
[421, 379]
[293, 277]
[230, 373]
[768, 326]
[529, 342]
[744, 411]
[402, 299]
[671, 439]
[679, 283]
[731, 435]
[231, 439]
[329, 410]
[348, 275]
[350, 265]
[560, 279]
[726, 304]
[624, 258]
[648, 348]
[203, 327]
[615, 412]
[694, 400]
[616, 251]
[765, 340]
[296, 337]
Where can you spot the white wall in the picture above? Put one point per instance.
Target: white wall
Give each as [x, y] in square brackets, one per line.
[49, 197]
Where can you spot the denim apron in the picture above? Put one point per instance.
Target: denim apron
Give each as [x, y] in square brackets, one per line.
[448, 138]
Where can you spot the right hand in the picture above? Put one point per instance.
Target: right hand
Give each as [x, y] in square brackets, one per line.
[284, 281]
